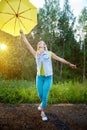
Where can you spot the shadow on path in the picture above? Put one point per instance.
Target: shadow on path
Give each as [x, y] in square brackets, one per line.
[53, 118]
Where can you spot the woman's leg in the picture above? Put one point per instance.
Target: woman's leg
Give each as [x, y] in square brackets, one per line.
[46, 88]
[43, 86]
[39, 85]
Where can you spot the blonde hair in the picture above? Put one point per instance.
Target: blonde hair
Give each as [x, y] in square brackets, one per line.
[45, 46]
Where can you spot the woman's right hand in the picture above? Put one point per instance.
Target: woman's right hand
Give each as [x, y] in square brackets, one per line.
[21, 32]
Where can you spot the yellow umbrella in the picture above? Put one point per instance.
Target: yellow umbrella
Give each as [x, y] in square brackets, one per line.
[16, 15]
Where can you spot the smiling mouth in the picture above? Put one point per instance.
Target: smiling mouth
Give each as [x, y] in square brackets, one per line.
[41, 47]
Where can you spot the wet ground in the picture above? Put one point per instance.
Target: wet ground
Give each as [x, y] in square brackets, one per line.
[27, 117]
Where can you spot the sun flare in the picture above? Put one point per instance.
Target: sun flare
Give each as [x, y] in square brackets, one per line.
[3, 46]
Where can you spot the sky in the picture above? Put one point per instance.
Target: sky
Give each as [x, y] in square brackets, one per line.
[76, 5]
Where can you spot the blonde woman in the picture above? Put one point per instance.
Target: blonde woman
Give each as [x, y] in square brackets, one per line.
[44, 76]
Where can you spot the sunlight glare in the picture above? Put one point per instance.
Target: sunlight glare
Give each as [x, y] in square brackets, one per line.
[3, 46]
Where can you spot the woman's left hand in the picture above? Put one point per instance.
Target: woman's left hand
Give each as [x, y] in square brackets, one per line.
[73, 66]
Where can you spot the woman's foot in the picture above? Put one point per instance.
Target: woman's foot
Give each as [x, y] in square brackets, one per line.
[44, 117]
[40, 107]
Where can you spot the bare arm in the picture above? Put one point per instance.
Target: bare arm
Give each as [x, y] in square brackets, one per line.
[54, 56]
[31, 49]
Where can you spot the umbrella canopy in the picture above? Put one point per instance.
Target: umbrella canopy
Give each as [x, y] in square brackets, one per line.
[16, 15]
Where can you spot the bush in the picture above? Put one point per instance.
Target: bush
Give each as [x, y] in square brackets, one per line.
[23, 91]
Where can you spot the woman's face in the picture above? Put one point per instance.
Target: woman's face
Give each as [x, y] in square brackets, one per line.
[41, 45]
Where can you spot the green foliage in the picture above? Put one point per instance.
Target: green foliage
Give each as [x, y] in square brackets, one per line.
[23, 91]
[68, 92]
[83, 18]
[17, 91]
[48, 21]
[82, 28]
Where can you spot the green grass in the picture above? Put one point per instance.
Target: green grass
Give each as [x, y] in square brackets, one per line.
[16, 92]
[68, 92]
[22, 91]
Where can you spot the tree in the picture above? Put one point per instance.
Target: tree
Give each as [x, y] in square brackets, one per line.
[48, 21]
[56, 29]
[67, 40]
[83, 33]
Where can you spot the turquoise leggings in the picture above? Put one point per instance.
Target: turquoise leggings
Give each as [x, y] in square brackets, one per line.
[43, 84]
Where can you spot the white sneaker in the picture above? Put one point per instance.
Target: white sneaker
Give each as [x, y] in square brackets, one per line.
[44, 117]
[40, 107]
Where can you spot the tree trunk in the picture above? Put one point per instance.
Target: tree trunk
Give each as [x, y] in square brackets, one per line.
[84, 77]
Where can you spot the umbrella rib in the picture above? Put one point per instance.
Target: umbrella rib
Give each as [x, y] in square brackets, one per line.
[26, 18]
[6, 22]
[15, 24]
[19, 6]
[10, 6]
[22, 23]
[6, 13]
[25, 11]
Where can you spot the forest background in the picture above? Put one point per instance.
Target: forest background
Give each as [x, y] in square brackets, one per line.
[58, 28]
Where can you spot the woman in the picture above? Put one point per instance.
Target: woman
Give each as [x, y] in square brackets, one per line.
[44, 76]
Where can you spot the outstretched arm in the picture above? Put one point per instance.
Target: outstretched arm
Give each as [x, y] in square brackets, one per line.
[31, 49]
[54, 56]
